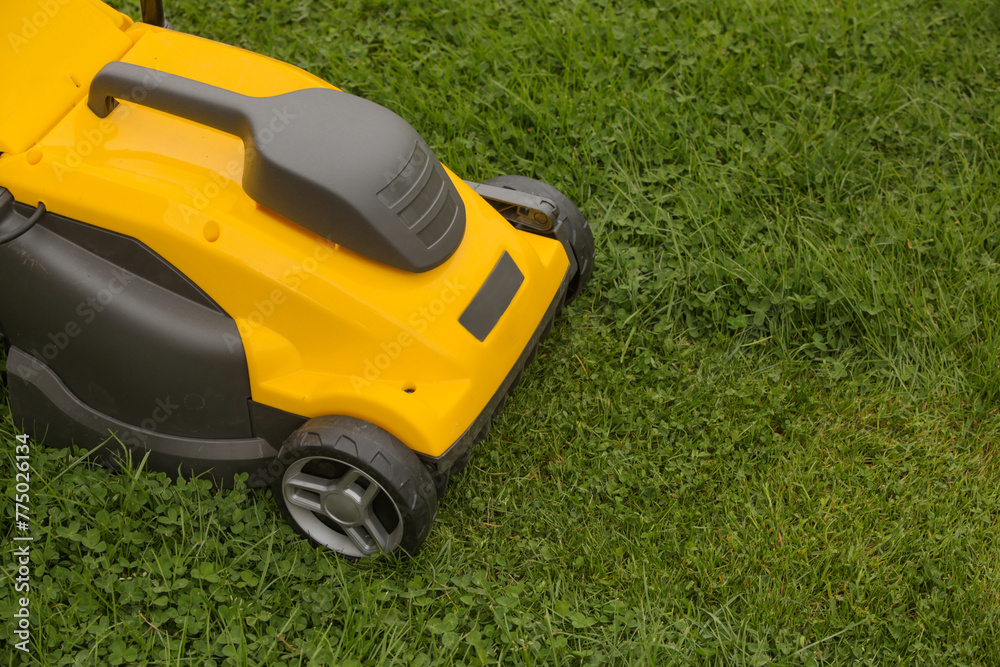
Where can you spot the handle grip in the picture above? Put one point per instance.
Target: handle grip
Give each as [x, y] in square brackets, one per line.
[215, 107]
[340, 166]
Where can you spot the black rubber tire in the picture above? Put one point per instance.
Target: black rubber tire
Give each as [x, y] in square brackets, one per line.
[327, 446]
[442, 481]
[581, 236]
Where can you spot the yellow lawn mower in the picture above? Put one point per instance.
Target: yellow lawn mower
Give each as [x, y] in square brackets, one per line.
[221, 263]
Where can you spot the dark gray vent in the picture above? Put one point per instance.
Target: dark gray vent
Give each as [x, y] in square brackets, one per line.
[422, 196]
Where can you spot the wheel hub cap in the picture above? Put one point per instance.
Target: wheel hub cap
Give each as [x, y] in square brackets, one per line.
[343, 509]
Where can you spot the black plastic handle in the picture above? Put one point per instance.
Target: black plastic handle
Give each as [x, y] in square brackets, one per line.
[340, 166]
[216, 107]
[152, 12]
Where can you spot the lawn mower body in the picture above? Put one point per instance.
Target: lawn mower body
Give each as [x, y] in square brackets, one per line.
[202, 248]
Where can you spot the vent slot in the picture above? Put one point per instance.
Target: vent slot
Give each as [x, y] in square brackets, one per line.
[413, 177]
[424, 203]
[440, 223]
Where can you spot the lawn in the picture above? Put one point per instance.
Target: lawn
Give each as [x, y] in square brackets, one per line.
[766, 434]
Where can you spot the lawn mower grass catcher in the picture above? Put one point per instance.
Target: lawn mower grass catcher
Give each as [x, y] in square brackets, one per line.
[221, 263]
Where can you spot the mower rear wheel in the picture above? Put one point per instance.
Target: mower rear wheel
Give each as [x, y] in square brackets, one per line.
[580, 234]
[352, 487]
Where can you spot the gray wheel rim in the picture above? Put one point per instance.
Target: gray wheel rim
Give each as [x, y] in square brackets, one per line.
[347, 502]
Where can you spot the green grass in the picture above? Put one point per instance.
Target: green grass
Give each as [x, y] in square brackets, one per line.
[766, 434]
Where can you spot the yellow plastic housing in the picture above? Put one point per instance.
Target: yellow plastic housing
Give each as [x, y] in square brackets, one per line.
[325, 331]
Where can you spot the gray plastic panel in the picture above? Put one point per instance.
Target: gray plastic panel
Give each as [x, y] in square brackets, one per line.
[493, 298]
[59, 418]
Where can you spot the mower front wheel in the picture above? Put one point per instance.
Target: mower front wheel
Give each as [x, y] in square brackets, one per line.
[581, 238]
[352, 487]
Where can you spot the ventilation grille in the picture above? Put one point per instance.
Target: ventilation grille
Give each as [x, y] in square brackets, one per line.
[423, 197]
